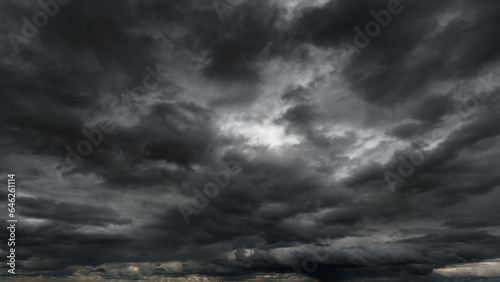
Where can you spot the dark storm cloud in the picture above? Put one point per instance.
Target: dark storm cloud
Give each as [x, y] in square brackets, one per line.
[432, 109]
[178, 133]
[350, 124]
[78, 28]
[334, 21]
[440, 160]
[298, 94]
[248, 30]
[70, 213]
[406, 130]
[396, 45]
[301, 115]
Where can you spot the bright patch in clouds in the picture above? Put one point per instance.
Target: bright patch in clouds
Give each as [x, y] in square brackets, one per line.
[264, 134]
[490, 268]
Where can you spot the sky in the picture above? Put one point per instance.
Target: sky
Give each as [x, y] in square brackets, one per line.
[246, 140]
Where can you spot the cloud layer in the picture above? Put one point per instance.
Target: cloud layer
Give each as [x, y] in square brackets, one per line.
[355, 162]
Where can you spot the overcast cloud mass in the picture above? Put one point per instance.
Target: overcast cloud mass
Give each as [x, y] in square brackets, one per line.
[248, 140]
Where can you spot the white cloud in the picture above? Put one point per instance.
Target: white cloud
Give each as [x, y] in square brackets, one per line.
[488, 268]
